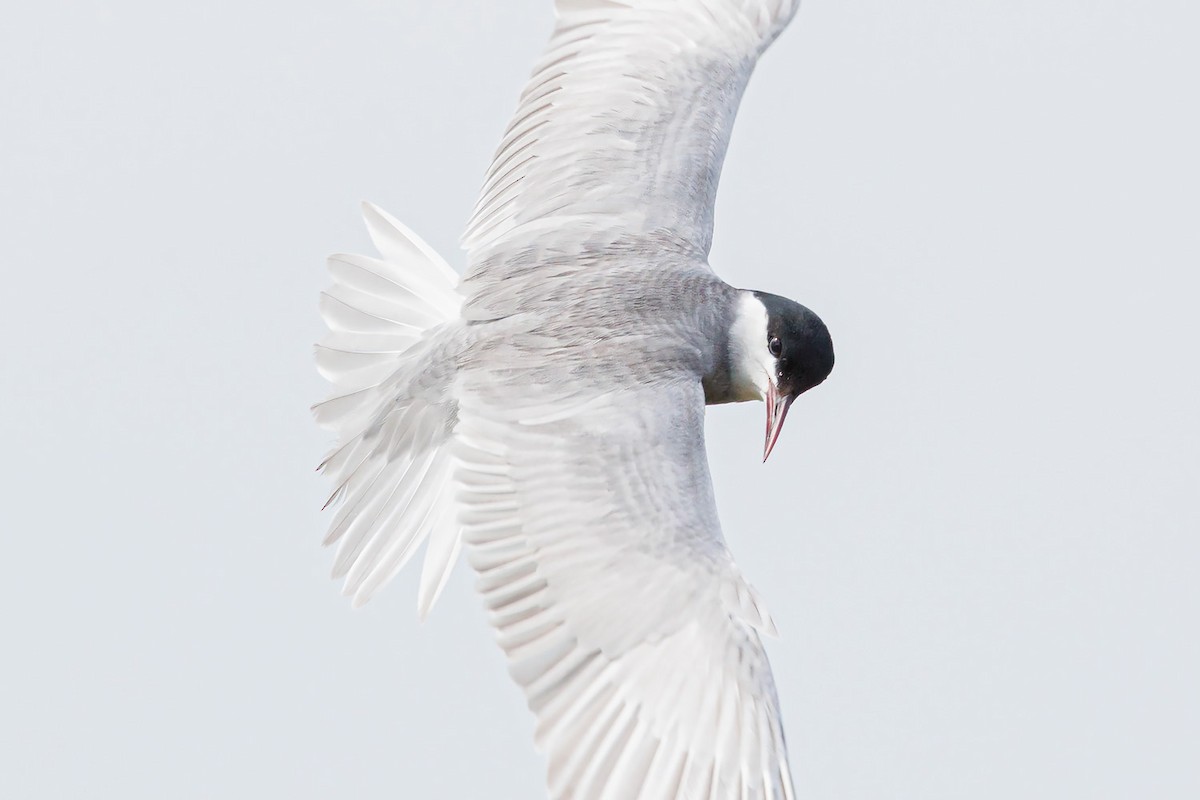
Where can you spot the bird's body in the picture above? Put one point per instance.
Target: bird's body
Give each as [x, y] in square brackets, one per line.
[547, 410]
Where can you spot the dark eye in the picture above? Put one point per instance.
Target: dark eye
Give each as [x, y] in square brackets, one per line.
[775, 347]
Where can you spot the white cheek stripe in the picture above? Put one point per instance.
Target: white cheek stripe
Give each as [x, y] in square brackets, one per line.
[751, 364]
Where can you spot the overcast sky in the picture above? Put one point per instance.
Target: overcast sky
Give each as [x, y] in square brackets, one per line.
[979, 537]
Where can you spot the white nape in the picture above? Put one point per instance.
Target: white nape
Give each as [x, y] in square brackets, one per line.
[751, 363]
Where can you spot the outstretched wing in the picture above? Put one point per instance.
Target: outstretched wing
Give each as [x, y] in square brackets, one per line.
[592, 525]
[624, 125]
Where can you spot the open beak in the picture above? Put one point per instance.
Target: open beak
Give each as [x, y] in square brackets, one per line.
[777, 408]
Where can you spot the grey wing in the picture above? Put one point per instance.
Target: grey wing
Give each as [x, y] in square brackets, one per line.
[591, 521]
[623, 127]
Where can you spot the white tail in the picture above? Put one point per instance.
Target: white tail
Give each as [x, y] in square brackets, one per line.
[391, 467]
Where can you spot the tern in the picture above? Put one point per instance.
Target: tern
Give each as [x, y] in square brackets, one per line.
[545, 411]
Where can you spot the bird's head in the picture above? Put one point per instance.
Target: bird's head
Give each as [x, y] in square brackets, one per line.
[780, 350]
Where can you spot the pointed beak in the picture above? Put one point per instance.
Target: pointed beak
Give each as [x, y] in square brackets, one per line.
[777, 408]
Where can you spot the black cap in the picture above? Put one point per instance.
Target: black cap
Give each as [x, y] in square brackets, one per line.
[805, 349]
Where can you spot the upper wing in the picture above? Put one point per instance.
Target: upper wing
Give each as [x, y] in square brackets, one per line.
[623, 126]
[592, 524]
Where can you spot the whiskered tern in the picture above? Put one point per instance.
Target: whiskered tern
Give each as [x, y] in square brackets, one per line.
[546, 409]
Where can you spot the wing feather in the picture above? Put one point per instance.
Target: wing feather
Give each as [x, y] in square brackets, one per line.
[624, 122]
[624, 619]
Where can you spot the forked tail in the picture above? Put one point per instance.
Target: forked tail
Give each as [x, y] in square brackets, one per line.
[392, 466]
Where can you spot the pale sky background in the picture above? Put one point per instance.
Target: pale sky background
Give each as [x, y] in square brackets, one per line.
[979, 537]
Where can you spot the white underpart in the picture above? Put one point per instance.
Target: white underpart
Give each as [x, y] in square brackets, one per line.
[751, 363]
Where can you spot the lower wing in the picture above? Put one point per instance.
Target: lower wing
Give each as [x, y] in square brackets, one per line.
[592, 524]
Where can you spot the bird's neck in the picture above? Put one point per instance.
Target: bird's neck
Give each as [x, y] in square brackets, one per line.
[744, 366]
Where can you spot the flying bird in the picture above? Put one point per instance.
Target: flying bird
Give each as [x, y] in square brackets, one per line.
[545, 411]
